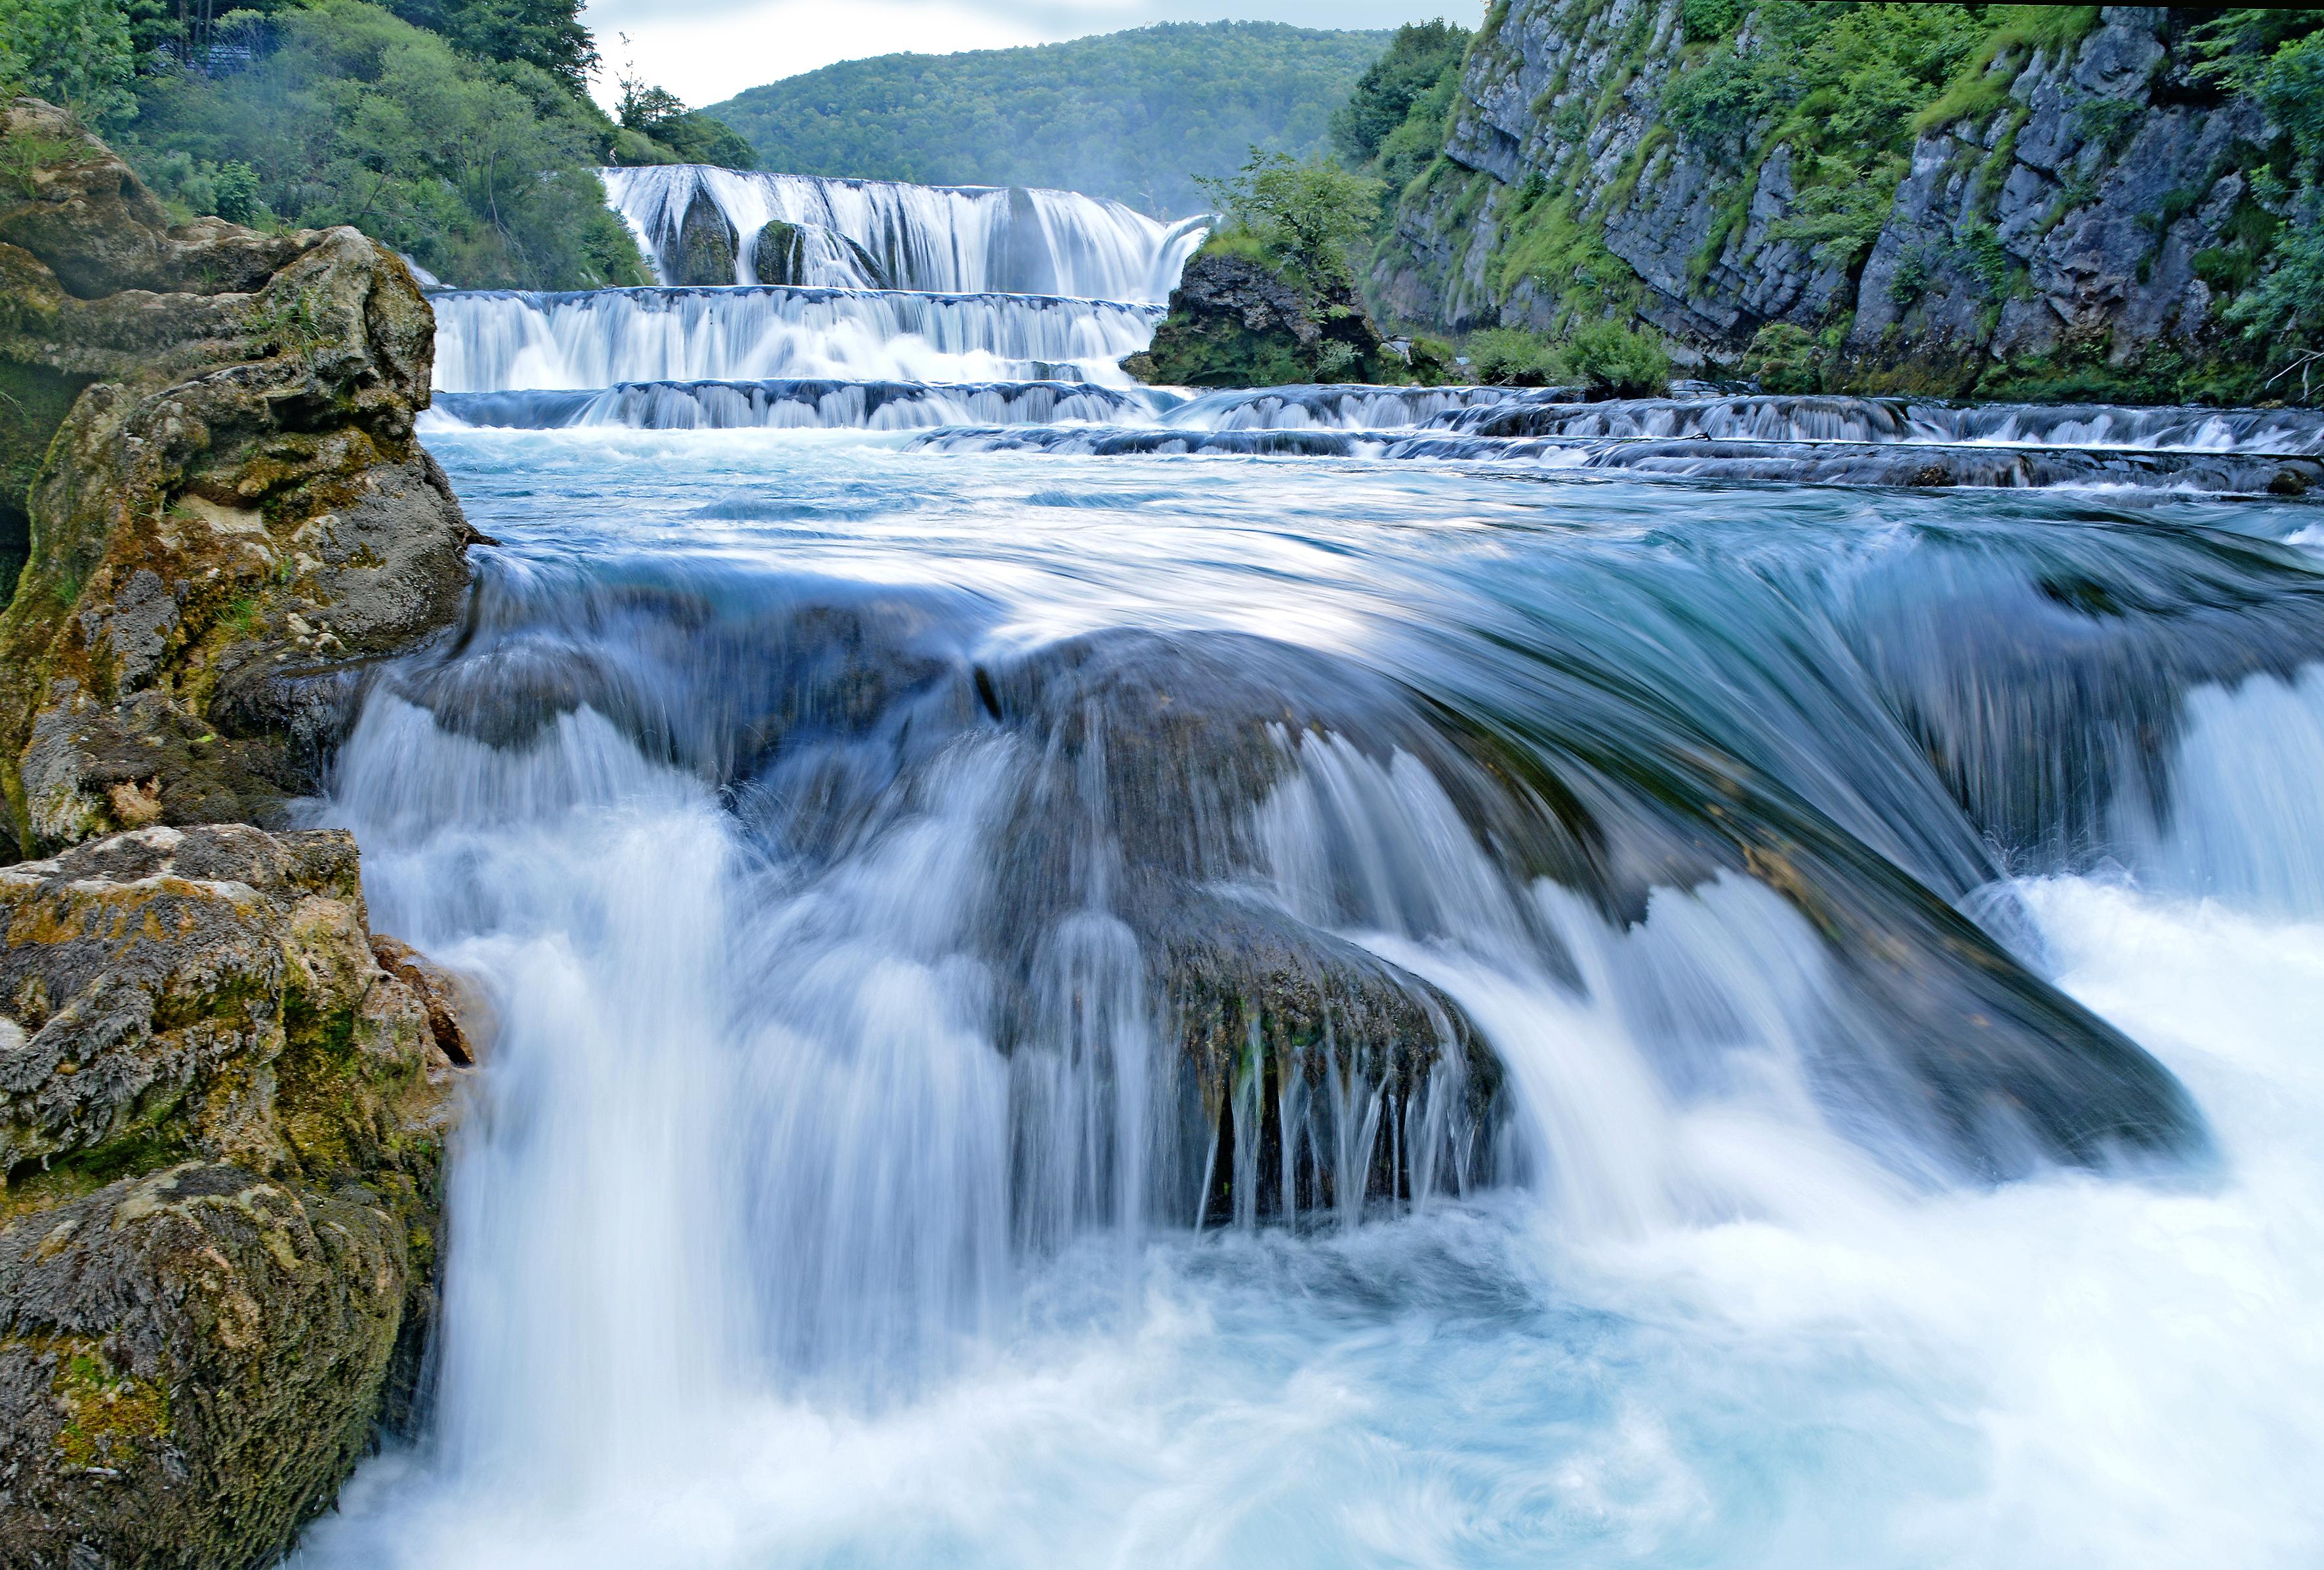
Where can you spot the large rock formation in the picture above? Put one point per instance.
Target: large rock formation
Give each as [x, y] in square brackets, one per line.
[221, 1127]
[229, 514]
[1236, 320]
[2080, 213]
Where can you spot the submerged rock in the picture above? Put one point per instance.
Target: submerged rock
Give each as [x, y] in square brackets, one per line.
[786, 252]
[221, 1128]
[229, 517]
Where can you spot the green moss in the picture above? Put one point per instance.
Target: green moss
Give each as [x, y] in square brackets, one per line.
[1982, 88]
[33, 403]
[109, 1415]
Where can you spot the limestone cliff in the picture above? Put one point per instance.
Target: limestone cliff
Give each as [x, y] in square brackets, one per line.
[2069, 198]
[227, 512]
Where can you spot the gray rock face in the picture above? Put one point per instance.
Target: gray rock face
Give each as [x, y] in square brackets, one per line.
[2070, 217]
[221, 1126]
[230, 512]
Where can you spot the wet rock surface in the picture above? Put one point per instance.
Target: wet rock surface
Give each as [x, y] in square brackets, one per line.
[222, 1126]
[231, 517]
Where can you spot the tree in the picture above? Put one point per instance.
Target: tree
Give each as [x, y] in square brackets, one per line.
[661, 117]
[1131, 115]
[1417, 60]
[77, 54]
[482, 171]
[545, 35]
[1309, 215]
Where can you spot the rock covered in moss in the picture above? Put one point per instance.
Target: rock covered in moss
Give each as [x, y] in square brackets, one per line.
[706, 245]
[1235, 320]
[221, 1123]
[232, 516]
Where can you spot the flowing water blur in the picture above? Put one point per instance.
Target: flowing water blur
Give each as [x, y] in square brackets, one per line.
[797, 1224]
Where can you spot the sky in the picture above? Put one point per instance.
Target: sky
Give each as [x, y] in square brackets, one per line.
[705, 50]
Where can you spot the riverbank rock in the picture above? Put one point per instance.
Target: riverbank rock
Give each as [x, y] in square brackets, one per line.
[228, 515]
[1237, 320]
[221, 1127]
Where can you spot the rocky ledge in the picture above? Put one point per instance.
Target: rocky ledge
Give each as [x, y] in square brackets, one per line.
[221, 1130]
[225, 512]
[1238, 321]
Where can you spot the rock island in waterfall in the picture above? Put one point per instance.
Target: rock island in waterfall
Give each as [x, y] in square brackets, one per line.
[1333, 788]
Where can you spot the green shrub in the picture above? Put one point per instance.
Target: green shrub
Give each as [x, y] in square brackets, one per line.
[1708, 21]
[1511, 357]
[1613, 360]
[235, 194]
[1784, 358]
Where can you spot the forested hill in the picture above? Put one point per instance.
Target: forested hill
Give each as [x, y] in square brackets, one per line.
[1132, 116]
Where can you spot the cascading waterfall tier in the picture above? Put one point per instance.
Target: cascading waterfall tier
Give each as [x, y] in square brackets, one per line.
[492, 341]
[802, 404]
[852, 234]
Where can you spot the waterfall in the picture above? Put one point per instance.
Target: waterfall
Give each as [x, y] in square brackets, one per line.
[882, 234]
[491, 340]
[1067, 1001]
[802, 404]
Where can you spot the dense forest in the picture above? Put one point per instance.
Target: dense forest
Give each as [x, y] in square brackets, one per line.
[1133, 115]
[460, 131]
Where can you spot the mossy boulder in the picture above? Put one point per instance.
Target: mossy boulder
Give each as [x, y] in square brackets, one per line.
[221, 1134]
[707, 242]
[228, 517]
[780, 254]
[1239, 318]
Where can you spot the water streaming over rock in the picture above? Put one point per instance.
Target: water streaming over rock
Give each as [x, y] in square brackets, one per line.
[1123, 981]
[494, 340]
[881, 235]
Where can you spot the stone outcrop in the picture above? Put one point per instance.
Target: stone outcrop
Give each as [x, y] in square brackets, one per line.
[1238, 321]
[707, 244]
[2097, 186]
[228, 515]
[2071, 213]
[221, 1131]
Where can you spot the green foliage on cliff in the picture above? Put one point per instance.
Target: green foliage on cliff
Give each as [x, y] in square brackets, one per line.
[2277, 56]
[1841, 85]
[1422, 62]
[1132, 116]
[1392, 126]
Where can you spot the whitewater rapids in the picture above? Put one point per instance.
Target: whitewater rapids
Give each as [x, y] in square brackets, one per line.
[753, 1262]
